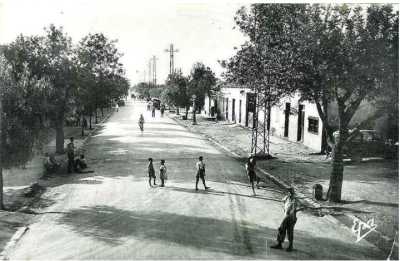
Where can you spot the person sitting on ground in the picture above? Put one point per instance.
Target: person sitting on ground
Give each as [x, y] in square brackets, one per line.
[50, 164]
[80, 163]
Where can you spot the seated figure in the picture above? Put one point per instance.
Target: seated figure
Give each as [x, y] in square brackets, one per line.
[80, 163]
[50, 164]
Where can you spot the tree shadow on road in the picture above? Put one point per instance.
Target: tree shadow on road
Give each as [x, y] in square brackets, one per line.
[114, 226]
[220, 193]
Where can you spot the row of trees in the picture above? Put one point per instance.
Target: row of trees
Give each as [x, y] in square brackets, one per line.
[340, 55]
[43, 79]
[179, 89]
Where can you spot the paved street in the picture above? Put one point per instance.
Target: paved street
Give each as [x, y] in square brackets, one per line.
[114, 214]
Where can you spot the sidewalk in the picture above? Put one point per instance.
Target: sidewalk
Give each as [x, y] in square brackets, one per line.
[17, 180]
[370, 188]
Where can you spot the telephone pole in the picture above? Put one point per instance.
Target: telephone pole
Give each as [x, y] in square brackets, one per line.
[171, 52]
[154, 70]
[150, 73]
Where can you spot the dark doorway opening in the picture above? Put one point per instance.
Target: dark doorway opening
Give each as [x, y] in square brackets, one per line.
[240, 111]
[287, 114]
[300, 123]
[233, 110]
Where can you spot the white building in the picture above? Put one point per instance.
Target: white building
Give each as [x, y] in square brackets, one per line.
[292, 120]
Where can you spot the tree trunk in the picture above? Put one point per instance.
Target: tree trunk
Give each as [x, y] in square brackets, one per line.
[90, 120]
[102, 112]
[83, 126]
[187, 111]
[177, 111]
[60, 136]
[1, 163]
[336, 178]
[1, 188]
[95, 116]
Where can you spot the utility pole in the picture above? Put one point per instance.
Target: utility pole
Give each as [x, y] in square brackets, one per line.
[150, 73]
[155, 70]
[171, 52]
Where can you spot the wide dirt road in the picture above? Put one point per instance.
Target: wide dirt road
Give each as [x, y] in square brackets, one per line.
[114, 214]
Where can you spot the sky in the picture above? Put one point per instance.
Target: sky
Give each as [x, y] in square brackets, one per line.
[201, 32]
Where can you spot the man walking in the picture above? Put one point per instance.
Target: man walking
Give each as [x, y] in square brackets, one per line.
[201, 173]
[287, 225]
[153, 111]
[71, 155]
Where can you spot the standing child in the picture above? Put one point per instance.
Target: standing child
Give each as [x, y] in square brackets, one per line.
[201, 173]
[251, 172]
[152, 173]
[163, 173]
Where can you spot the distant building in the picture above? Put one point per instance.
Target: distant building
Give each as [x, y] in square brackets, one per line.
[292, 120]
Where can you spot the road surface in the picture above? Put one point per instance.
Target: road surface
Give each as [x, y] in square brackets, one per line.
[114, 214]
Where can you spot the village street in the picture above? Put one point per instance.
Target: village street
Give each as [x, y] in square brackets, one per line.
[114, 214]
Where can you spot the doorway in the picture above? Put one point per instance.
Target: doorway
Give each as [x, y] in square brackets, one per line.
[287, 115]
[300, 123]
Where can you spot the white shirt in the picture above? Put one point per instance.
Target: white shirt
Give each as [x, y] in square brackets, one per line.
[200, 165]
[290, 205]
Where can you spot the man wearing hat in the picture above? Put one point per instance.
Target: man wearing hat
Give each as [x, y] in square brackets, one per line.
[287, 225]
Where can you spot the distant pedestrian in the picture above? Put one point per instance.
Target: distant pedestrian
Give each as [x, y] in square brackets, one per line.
[153, 111]
[71, 155]
[287, 225]
[162, 110]
[251, 172]
[151, 172]
[201, 173]
[163, 173]
[84, 123]
[116, 107]
[148, 106]
[141, 122]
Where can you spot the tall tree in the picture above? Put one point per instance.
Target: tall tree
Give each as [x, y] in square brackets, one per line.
[178, 91]
[99, 56]
[345, 57]
[47, 57]
[21, 124]
[202, 80]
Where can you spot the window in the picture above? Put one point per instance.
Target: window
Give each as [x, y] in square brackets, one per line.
[313, 125]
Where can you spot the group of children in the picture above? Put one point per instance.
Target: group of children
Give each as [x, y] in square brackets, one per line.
[200, 174]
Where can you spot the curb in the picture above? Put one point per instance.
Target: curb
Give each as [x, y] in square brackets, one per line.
[304, 199]
[13, 242]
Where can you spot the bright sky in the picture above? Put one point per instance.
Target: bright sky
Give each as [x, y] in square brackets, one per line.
[201, 32]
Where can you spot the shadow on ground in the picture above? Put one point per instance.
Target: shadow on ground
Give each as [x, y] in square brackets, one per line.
[112, 225]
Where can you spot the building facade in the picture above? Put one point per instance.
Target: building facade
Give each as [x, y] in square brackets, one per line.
[291, 120]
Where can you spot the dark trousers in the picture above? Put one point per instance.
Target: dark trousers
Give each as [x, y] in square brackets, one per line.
[202, 179]
[71, 163]
[286, 227]
[162, 182]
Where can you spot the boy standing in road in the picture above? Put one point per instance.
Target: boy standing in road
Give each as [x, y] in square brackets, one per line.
[201, 173]
[71, 155]
[287, 225]
[251, 172]
[151, 172]
[163, 173]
